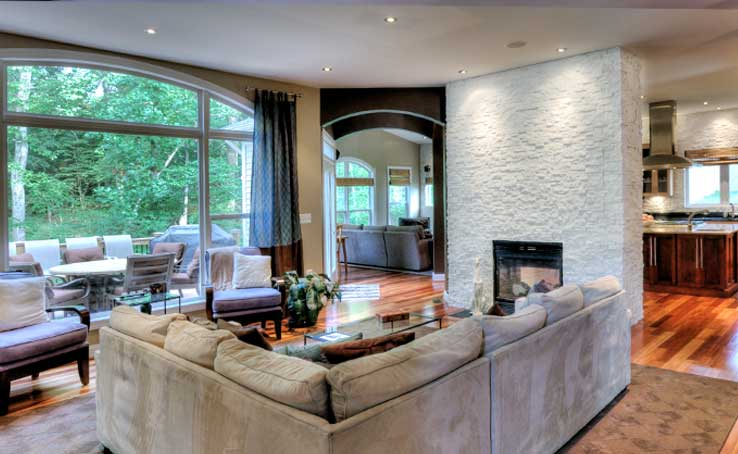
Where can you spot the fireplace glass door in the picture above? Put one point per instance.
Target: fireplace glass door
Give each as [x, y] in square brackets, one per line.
[523, 267]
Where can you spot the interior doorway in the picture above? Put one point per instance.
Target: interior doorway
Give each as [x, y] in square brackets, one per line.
[329, 206]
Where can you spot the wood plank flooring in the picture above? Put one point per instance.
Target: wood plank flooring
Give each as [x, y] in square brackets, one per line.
[697, 335]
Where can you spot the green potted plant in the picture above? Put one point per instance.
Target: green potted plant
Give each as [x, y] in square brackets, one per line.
[307, 295]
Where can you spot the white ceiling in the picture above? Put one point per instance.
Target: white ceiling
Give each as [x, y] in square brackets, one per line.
[410, 136]
[688, 55]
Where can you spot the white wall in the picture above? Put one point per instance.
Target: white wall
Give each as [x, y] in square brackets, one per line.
[381, 149]
[715, 129]
[548, 152]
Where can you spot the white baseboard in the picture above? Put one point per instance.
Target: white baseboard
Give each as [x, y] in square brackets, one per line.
[439, 277]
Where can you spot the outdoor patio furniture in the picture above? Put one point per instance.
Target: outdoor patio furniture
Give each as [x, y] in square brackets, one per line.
[83, 255]
[118, 246]
[12, 249]
[244, 305]
[177, 249]
[189, 278]
[144, 271]
[81, 243]
[46, 252]
[36, 348]
[59, 290]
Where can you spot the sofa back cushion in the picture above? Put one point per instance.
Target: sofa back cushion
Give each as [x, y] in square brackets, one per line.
[195, 343]
[366, 382]
[366, 246]
[499, 331]
[22, 302]
[292, 381]
[600, 289]
[145, 327]
[559, 303]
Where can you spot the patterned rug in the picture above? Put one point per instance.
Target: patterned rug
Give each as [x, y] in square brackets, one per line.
[359, 292]
[661, 412]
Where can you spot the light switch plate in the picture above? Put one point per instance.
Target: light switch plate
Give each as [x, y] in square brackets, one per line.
[306, 218]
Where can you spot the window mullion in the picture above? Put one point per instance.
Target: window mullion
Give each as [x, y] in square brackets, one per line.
[203, 104]
[4, 227]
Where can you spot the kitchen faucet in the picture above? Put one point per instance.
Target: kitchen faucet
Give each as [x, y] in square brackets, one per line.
[689, 221]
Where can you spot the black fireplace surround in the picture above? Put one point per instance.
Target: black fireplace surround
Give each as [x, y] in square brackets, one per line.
[526, 266]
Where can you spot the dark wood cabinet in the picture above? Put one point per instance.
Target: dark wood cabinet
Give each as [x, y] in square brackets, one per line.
[700, 264]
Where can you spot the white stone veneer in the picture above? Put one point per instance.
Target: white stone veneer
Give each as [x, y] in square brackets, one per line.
[548, 152]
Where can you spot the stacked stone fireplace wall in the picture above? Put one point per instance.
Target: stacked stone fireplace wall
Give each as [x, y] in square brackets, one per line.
[548, 152]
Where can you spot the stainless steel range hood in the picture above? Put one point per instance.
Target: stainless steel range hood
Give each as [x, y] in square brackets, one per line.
[662, 119]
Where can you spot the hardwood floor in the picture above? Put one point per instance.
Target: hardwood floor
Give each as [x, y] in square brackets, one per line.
[697, 335]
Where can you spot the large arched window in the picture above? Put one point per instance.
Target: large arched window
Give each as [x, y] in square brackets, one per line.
[96, 148]
[354, 192]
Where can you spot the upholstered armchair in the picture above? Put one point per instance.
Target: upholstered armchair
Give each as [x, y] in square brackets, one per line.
[60, 291]
[42, 345]
[244, 305]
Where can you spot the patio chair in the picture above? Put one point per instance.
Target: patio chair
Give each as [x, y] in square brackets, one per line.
[177, 249]
[190, 278]
[46, 252]
[32, 349]
[59, 290]
[86, 242]
[12, 249]
[244, 305]
[83, 255]
[143, 272]
[119, 246]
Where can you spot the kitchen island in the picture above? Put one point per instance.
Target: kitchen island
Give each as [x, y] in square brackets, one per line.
[692, 259]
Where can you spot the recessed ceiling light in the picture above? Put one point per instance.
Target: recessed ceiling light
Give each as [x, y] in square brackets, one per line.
[516, 44]
[705, 103]
[561, 50]
[462, 71]
[327, 69]
[151, 31]
[390, 19]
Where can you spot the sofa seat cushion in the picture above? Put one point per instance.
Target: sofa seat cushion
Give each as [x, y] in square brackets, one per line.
[63, 295]
[499, 331]
[145, 327]
[245, 299]
[34, 340]
[363, 383]
[292, 381]
[195, 343]
[600, 289]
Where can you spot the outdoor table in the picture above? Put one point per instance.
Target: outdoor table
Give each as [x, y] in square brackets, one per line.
[100, 269]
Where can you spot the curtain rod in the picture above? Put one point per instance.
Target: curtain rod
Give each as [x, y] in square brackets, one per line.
[296, 95]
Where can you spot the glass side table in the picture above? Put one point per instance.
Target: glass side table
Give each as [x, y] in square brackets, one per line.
[146, 300]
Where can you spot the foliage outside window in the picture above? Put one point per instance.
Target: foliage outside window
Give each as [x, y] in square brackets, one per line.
[354, 192]
[428, 195]
[712, 185]
[398, 194]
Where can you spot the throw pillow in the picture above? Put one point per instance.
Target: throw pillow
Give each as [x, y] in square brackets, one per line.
[312, 352]
[248, 334]
[250, 271]
[560, 303]
[600, 289]
[195, 343]
[345, 351]
[22, 302]
[145, 327]
[499, 331]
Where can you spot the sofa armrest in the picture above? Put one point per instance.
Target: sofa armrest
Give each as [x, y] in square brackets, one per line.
[81, 311]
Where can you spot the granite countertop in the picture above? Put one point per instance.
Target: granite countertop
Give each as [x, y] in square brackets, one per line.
[708, 228]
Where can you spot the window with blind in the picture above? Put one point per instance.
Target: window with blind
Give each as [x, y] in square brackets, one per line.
[398, 193]
[354, 192]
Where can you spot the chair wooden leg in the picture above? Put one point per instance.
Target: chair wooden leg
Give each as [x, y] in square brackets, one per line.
[107, 450]
[4, 393]
[263, 324]
[277, 327]
[83, 367]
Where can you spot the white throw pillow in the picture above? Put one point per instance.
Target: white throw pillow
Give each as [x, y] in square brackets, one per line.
[250, 271]
[600, 289]
[499, 331]
[22, 302]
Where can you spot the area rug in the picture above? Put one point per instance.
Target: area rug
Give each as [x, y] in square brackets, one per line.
[359, 292]
[661, 412]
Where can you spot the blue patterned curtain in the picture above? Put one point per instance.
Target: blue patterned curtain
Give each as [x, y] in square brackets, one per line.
[275, 212]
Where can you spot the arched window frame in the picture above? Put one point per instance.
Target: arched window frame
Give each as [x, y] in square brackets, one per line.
[373, 174]
[204, 90]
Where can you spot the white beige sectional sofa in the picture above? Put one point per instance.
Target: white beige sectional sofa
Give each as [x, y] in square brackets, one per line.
[483, 385]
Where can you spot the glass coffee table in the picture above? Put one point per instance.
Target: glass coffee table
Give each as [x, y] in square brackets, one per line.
[371, 327]
[146, 300]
